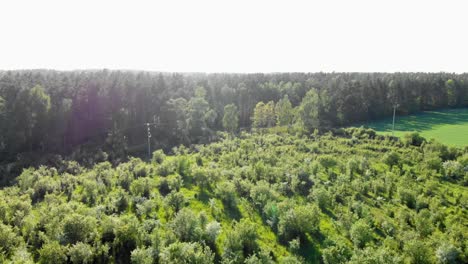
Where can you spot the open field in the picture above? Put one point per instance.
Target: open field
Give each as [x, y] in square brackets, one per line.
[447, 126]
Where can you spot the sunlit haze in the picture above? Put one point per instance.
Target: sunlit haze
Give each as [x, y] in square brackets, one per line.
[235, 36]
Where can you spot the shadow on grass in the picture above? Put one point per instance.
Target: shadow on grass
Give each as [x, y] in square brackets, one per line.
[309, 250]
[329, 213]
[232, 212]
[204, 196]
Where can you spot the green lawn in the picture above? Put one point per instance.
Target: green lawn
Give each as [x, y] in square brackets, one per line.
[447, 126]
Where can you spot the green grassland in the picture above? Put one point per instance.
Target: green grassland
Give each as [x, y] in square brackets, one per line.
[448, 126]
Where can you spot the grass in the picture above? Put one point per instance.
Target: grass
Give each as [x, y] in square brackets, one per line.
[447, 126]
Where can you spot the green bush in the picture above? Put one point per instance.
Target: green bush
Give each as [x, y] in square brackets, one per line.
[298, 221]
[52, 252]
[81, 253]
[241, 241]
[78, 228]
[181, 252]
[186, 226]
[158, 156]
[413, 138]
[142, 256]
[417, 252]
[8, 240]
[361, 233]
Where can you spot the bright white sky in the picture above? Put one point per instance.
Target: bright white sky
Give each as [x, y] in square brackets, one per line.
[235, 36]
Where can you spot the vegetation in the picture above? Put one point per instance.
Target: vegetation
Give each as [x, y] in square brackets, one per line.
[448, 126]
[94, 116]
[347, 196]
[296, 188]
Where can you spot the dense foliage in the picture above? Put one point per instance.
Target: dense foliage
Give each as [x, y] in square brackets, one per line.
[349, 196]
[63, 112]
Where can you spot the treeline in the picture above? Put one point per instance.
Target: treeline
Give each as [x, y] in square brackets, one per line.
[55, 112]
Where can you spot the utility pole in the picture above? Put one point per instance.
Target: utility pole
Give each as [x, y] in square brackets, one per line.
[149, 141]
[155, 122]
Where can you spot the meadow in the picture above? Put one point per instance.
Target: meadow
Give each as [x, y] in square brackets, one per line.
[447, 126]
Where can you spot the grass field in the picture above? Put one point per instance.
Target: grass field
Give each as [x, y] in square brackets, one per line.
[447, 126]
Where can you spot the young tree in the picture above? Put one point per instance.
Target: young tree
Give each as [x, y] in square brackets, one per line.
[52, 252]
[186, 226]
[309, 110]
[197, 109]
[180, 252]
[199, 115]
[8, 240]
[284, 111]
[33, 109]
[264, 115]
[258, 119]
[298, 221]
[179, 108]
[231, 118]
[81, 253]
[241, 241]
[142, 256]
[270, 118]
[447, 253]
[77, 228]
[361, 233]
[417, 252]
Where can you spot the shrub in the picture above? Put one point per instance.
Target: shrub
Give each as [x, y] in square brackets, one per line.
[180, 252]
[52, 252]
[335, 254]
[175, 200]
[170, 184]
[81, 253]
[186, 226]
[183, 166]
[321, 197]
[262, 257]
[413, 138]
[142, 256]
[241, 241]
[262, 193]
[423, 223]
[8, 239]
[417, 252]
[141, 187]
[298, 221]
[226, 191]
[201, 177]
[327, 161]
[158, 156]
[78, 228]
[380, 255]
[391, 158]
[291, 260]
[407, 197]
[453, 169]
[361, 233]
[447, 253]
[212, 230]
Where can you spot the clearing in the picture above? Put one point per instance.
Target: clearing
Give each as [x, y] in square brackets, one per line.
[447, 126]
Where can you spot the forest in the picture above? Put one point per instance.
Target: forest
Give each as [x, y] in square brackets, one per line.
[44, 113]
[242, 168]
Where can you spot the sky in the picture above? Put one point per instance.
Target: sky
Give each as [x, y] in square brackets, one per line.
[235, 36]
